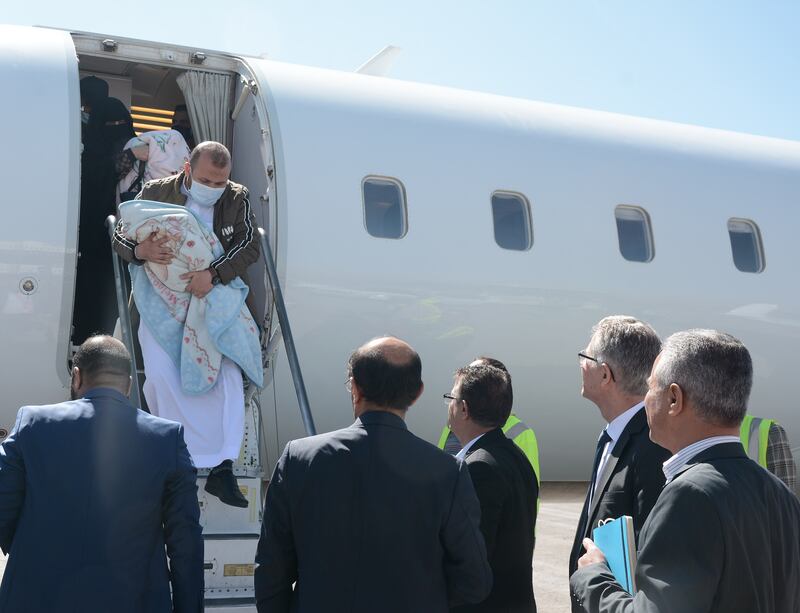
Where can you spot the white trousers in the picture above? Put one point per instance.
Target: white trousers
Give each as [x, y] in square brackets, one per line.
[213, 422]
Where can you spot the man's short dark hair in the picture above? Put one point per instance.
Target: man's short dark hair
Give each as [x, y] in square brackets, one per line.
[386, 383]
[487, 391]
[102, 355]
[492, 362]
[216, 152]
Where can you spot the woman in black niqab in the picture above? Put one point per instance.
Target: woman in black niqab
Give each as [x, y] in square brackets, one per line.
[110, 127]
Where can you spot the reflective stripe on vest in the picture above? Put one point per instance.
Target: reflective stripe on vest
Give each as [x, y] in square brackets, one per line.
[443, 437]
[525, 438]
[754, 434]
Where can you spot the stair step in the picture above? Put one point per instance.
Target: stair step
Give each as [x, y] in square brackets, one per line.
[229, 567]
[216, 517]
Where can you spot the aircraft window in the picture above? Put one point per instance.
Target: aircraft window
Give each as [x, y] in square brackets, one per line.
[512, 221]
[634, 233]
[384, 207]
[746, 247]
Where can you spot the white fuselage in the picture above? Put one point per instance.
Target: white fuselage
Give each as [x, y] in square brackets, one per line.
[446, 286]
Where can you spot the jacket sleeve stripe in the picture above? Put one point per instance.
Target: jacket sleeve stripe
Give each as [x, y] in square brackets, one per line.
[122, 239]
[247, 239]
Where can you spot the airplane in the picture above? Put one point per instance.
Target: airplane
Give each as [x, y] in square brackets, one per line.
[465, 223]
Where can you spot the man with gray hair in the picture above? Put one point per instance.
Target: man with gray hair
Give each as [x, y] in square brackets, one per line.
[214, 420]
[722, 537]
[626, 477]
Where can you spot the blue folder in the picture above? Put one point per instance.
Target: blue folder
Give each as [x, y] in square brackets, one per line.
[615, 538]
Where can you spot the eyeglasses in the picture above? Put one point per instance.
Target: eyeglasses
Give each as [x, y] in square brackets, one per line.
[448, 397]
[349, 384]
[588, 357]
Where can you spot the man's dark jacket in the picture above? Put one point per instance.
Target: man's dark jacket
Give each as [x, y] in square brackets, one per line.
[369, 519]
[507, 490]
[631, 481]
[90, 492]
[722, 538]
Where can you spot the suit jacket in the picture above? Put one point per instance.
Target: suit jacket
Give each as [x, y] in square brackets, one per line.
[631, 481]
[722, 538]
[507, 491]
[369, 518]
[90, 492]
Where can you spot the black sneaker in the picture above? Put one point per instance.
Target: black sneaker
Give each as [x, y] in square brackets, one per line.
[221, 482]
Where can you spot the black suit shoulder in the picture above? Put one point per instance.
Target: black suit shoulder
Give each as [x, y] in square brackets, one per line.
[327, 444]
[383, 445]
[499, 459]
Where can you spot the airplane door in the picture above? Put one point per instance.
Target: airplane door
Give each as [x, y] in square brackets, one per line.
[252, 162]
[39, 175]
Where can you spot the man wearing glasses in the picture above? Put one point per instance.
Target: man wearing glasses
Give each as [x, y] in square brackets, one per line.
[627, 474]
[477, 407]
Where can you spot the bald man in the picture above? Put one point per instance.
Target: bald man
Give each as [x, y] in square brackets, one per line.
[371, 518]
[91, 491]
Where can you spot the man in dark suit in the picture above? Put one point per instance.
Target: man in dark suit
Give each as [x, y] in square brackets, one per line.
[626, 477]
[504, 480]
[90, 492]
[371, 518]
[723, 536]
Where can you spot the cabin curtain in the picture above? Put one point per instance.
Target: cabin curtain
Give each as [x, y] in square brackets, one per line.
[207, 98]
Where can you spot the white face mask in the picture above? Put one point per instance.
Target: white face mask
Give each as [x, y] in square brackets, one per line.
[204, 195]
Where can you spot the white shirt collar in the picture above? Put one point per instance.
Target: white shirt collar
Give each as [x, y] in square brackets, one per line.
[674, 465]
[619, 423]
[465, 449]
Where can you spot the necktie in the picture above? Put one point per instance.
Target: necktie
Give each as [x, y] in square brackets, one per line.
[601, 445]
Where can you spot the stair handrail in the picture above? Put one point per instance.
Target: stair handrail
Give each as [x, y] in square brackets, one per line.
[124, 314]
[288, 339]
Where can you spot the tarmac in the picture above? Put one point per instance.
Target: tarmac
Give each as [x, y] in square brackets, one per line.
[555, 528]
[561, 504]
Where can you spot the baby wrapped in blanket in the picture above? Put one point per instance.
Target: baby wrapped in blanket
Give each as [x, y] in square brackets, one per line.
[195, 332]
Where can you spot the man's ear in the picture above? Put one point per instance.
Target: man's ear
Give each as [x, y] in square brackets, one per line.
[421, 389]
[356, 392]
[465, 409]
[187, 171]
[128, 391]
[677, 400]
[77, 377]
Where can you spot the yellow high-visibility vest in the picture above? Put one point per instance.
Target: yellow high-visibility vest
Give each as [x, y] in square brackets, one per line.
[755, 436]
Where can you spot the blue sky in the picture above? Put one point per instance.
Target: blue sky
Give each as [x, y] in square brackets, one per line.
[728, 64]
